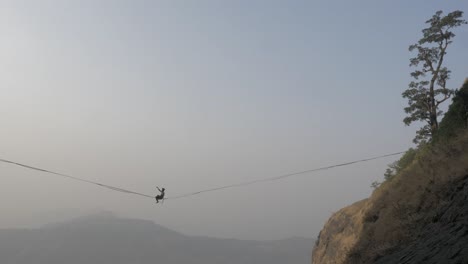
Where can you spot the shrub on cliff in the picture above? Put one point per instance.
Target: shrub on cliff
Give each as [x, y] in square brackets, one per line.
[456, 117]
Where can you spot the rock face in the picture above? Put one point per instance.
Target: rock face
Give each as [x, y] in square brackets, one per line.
[339, 234]
[445, 240]
[420, 216]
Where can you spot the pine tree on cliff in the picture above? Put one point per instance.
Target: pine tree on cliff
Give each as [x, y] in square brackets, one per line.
[429, 88]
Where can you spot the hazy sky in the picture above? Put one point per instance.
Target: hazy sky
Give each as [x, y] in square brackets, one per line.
[195, 94]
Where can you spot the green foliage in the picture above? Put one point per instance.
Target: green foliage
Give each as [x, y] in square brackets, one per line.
[428, 89]
[397, 166]
[375, 184]
[456, 117]
[389, 172]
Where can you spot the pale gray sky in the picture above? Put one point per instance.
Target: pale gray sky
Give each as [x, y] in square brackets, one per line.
[195, 94]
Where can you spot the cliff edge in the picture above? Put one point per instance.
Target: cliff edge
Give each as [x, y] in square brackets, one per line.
[421, 216]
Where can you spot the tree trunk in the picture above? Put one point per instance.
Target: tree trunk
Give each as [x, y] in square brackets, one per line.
[433, 111]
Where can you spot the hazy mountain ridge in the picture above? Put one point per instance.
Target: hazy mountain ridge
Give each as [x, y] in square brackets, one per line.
[106, 239]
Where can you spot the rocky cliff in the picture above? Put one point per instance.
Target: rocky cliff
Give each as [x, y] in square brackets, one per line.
[419, 216]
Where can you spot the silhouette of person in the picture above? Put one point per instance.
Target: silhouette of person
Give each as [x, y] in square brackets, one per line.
[160, 196]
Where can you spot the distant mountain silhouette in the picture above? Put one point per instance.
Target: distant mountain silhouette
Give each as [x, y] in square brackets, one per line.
[106, 239]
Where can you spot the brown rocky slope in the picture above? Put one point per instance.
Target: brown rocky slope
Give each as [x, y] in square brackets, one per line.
[419, 216]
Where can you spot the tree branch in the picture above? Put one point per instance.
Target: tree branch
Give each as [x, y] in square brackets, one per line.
[429, 63]
[438, 102]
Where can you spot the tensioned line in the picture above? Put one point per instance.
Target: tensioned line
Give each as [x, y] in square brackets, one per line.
[280, 177]
[76, 178]
[275, 178]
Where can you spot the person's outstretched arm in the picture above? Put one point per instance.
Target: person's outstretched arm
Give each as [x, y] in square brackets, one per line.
[158, 189]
